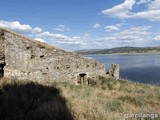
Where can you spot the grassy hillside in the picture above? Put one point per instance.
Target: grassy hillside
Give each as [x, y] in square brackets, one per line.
[121, 50]
[109, 100]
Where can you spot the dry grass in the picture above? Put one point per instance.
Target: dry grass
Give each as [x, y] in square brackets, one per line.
[111, 97]
[100, 102]
[31, 101]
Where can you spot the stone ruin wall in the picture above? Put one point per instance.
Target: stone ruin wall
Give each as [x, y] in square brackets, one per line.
[36, 61]
[1, 57]
[114, 71]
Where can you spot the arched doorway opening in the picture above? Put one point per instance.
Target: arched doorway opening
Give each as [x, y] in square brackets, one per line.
[82, 78]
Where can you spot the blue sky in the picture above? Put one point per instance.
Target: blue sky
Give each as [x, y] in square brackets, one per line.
[85, 24]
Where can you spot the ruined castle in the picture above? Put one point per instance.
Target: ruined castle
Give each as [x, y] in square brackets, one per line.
[26, 59]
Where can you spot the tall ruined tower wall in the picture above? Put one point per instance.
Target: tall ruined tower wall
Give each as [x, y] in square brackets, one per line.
[29, 59]
[2, 56]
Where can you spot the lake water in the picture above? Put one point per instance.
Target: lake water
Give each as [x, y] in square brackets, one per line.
[144, 68]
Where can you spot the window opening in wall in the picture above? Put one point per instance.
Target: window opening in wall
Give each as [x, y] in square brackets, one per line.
[67, 66]
[41, 56]
[32, 56]
[28, 47]
[1, 70]
[57, 67]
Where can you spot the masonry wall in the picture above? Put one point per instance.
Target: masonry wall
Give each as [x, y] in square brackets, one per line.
[1, 49]
[33, 60]
[2, 63]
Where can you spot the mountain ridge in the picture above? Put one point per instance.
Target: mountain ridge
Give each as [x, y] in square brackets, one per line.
[125, 49]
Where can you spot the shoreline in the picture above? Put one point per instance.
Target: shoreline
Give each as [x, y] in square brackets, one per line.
[120, 53]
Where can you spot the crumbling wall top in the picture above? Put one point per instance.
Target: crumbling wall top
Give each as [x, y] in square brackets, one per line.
[47, 46]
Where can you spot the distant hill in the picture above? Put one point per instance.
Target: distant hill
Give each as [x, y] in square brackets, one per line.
[126, 50]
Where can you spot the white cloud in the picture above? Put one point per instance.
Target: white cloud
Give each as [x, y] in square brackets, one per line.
[152, 15]
[124, 10]
[157, 38]
[40, 39]
[134, 36]
[121, 10]
[61, 28]
[143, 2]
[113, 27]
[51, 35]
[37, 34]
[154, 5]
[97, 25]
[18, 27]
[37, 30]
[61, 40]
